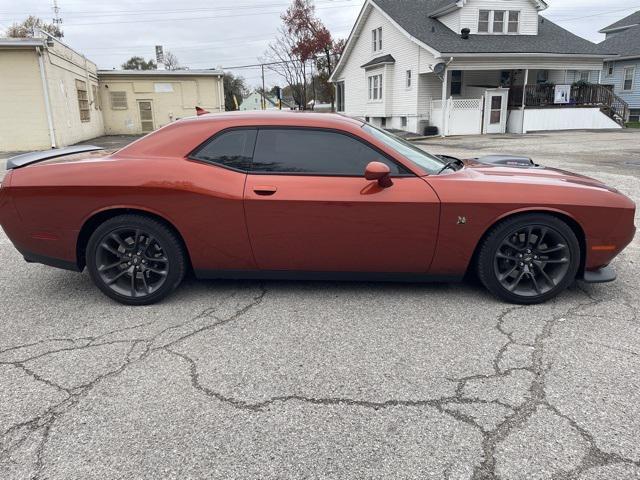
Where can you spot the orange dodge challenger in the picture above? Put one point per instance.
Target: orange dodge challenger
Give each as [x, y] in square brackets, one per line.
[307, 196]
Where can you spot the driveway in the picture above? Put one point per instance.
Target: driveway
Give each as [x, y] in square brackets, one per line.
[273, 380]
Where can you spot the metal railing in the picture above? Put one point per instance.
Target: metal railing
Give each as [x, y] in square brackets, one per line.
[582, 95]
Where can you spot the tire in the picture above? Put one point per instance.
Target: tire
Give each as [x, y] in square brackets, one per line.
[529, 259]
[135, 259]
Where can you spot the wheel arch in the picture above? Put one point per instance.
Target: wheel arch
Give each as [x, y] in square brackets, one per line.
[567, 218]
[97, 218]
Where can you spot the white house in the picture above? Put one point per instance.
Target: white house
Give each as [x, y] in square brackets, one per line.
[495, 62]
[253, 101]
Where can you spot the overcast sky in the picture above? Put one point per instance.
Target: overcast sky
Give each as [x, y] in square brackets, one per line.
[222, 33]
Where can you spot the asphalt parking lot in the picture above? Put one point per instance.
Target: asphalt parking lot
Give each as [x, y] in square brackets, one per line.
[273, 380]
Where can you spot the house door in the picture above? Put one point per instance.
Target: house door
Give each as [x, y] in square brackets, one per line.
[495, 110]
[146, 115]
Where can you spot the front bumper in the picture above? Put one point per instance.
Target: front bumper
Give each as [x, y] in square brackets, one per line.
[602, 275]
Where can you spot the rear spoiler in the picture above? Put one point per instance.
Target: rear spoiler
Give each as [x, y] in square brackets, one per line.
[35, 157]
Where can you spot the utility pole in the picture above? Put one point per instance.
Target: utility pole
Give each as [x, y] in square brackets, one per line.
[264, 102]
[57, 20]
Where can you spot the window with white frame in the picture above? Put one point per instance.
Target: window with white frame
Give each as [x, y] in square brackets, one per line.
[583, 76]
[499, 21]
[376, 37]
[514, 22]
[409, 79]
[483, 21]
[629, 74]
[634, 115]
[340, 96]
[375, 87]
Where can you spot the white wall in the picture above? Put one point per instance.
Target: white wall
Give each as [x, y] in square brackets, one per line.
[514, 121]
[543, 119]
[63, 67]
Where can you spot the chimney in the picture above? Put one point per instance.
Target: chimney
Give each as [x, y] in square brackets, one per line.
[465, 33]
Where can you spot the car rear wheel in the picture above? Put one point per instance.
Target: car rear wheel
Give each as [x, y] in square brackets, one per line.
[135, 260]
[529, 259]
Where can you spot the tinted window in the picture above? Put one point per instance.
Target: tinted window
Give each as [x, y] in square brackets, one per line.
[232, 149]
[407, 150]
[315, 152]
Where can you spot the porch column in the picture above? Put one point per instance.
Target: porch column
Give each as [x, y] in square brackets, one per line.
[445, 81]
[524, 97]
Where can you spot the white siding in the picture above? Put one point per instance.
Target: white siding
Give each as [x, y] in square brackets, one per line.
[528, 14]
[452, 20]
[399, 101]
[429, 88]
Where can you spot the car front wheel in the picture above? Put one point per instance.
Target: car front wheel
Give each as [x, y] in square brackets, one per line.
[529, 259]
[135, 260]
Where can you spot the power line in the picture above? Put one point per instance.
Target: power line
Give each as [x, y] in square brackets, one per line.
[176, 19]
[196, 46]
[94, 13]
[608, 12]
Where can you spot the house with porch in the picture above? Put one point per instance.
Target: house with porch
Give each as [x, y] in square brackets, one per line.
[623, 38]
[471, 67]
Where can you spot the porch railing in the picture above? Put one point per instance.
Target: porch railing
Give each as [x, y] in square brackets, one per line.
[602, 96]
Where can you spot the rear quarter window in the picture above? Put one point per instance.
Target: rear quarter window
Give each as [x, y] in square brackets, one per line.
[231, 149]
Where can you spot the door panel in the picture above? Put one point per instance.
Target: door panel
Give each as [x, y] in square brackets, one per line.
[341, 224]
[495, 111]
[146, 116]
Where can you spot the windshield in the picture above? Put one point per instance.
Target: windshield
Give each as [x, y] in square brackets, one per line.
[428, 162]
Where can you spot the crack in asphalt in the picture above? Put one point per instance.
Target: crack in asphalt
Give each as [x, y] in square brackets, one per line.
[440, 404]
[537, 397]
[18, 434]
[485, 470]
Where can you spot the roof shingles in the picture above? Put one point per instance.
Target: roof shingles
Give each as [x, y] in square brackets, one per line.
[386, 59]
[625, 44]
[631, 20]
[413, 16]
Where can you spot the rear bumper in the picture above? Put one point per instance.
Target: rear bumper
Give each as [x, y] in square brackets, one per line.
[50, 261]
[602, 275]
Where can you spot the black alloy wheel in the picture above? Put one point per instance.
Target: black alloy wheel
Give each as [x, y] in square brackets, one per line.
[135, 260]
[529, 259]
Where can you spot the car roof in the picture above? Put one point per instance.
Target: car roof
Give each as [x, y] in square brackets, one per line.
[180, 137]
[279, 117]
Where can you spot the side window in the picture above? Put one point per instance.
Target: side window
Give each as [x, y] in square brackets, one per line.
[315, 152]
[232, 149]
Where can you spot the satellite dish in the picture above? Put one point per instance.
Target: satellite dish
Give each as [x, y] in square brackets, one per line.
[439, 68]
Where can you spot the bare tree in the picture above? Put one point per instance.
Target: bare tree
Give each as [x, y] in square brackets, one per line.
[313, 41]
[28, 27]
[288, 65]
[171, 62]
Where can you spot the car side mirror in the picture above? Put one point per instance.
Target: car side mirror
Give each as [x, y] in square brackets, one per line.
[380, 172]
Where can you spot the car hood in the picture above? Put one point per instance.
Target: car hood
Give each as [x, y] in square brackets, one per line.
[534, 175]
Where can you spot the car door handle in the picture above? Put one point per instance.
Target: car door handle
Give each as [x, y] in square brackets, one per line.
[265, 190]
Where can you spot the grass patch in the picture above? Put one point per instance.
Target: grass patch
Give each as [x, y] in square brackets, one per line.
[633, 125]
